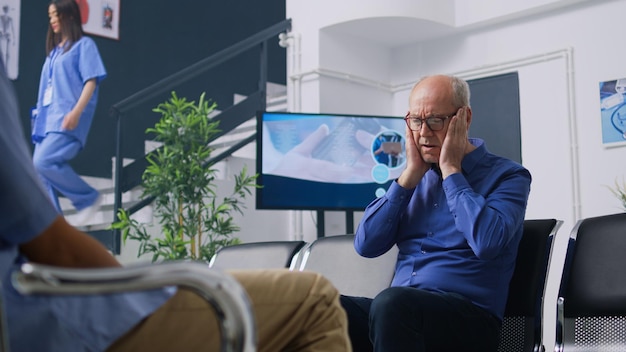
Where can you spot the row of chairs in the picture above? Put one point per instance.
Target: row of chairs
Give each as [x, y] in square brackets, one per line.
[352, 274]
[333, 256]
[592, 297]
[591, 305]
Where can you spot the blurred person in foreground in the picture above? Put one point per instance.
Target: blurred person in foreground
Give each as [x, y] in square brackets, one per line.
[293, 311]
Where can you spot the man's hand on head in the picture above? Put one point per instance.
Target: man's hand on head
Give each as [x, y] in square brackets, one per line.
[455, 145]
[416, 167]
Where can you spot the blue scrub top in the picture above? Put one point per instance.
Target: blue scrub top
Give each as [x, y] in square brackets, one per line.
[66, 73]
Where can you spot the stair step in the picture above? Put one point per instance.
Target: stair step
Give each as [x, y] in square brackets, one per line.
[102, 220]
[276, 101]
[107, 199]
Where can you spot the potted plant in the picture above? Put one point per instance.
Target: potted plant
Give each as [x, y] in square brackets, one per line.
[194, 222]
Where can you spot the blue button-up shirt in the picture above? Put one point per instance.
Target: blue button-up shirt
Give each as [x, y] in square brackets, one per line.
[457, 235]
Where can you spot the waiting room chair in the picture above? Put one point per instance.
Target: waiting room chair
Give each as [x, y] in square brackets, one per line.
[257, 255]
[522, 324]
[353, 275]
[591, 308]
[222, 291]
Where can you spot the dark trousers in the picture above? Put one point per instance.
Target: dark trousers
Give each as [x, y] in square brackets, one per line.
[408, 319]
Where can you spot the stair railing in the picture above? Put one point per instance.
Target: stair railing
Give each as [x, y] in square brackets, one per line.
[128, 177]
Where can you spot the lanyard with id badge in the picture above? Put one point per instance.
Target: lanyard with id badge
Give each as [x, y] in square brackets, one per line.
[47, 94]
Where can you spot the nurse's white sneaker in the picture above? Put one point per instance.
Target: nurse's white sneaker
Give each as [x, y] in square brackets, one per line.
[84, 216]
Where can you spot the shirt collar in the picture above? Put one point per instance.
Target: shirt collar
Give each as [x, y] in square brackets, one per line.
[435, 167]
[472, 158]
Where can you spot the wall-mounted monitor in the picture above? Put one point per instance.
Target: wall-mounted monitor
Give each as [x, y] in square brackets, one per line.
[326, 161]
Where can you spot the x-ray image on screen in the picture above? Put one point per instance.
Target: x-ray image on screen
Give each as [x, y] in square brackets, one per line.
[332, 161]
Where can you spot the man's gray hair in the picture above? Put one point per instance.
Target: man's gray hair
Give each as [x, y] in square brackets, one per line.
[460, 91]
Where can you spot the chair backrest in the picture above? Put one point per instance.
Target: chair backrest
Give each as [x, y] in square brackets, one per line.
[257, 255]
[591, 309]
[353, 275]
[522, 325]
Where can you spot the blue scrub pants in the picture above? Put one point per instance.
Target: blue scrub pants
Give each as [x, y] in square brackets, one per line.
[51, 159]
[401, 319]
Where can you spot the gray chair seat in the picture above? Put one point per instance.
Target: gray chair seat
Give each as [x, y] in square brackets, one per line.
[353, 275]
[257, 255]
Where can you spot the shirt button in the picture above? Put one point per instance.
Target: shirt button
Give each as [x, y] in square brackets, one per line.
[436, 205]
[413, 273]
[423, 252]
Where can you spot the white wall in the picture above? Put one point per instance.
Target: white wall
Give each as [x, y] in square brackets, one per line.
[561, 50]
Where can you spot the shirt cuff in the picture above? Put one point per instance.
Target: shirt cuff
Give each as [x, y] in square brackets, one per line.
[397, 194]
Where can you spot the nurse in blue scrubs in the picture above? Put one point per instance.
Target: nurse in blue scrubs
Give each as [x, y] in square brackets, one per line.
[68, 93]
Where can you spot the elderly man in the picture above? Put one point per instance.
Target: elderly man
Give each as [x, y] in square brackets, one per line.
[456, 214]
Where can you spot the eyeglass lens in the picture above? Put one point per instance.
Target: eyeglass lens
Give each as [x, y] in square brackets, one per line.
[434, 123]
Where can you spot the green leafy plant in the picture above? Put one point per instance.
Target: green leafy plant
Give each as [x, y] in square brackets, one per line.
[619, 190]
[194, 222]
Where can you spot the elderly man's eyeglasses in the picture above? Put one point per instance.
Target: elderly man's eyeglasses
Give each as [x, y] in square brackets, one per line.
[435, 123]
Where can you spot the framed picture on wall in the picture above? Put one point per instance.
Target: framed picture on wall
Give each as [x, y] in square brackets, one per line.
[613, 112]
[100, 17]
[10, 36]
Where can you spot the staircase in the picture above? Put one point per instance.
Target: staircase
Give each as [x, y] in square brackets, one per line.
[276, 99]
[237, 124]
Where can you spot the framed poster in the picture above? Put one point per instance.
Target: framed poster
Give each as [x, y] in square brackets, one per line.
[10, 36]
[613, 112]
[100, 17]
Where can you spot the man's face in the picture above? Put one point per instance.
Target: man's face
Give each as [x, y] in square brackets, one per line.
[431, 98]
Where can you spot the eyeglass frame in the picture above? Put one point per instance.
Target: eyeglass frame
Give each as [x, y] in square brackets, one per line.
[426, 119]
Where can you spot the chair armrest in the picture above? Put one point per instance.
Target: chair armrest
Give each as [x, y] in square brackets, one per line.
[221, 290]
[560, 325]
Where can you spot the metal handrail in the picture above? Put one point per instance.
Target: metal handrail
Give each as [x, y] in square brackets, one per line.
[200, 67]
[184, 75]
